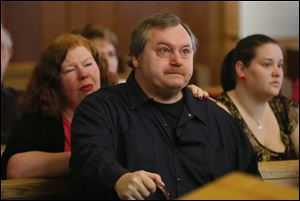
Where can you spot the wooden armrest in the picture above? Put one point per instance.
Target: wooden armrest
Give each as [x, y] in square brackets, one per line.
[284, 172]
[39, 188]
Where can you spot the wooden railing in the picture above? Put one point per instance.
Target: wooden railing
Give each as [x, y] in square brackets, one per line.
[38, 189]
[284, 172]
[17, 74]
[280, 172]
[241, 186]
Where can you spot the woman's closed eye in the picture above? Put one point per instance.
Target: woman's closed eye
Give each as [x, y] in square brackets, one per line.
[88, 64]
[68, 70]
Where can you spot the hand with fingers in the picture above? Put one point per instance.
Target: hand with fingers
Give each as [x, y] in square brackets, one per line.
[138, 185]
[200, 93]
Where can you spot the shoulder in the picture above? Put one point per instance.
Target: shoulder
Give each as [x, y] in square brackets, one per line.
[220, 121]
[224, 102]
[216, 112]
[37, 131]
[38, 122]
[282, 104]
[104, 101]
[107, 93]
[224, 107]
[39, 117]
[283, 101]
[287, 112]
[108, 96]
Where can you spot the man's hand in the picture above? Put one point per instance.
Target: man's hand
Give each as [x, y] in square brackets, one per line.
[137, 185]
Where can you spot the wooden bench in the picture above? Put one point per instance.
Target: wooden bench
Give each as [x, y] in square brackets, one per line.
[281, 172]
[17, 74]
[241, 186]
[39, 188]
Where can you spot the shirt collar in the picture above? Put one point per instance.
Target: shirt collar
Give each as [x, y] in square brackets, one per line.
[137, 98]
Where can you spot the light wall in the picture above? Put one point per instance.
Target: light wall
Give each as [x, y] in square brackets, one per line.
[276, 19]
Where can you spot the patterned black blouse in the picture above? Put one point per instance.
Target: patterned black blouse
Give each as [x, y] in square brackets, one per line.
[286, 113]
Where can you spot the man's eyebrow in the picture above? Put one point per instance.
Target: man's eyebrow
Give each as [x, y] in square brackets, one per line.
[170, 45]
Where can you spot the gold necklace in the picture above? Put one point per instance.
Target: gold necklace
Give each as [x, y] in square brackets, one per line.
[258, 123]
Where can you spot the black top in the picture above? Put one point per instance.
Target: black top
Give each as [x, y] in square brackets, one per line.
[119, 129]
[35, 132]
[9, 99]
[172, 112]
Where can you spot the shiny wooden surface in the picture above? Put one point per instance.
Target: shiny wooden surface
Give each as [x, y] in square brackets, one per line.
[280, 172]
[240, 186]
[38, 188]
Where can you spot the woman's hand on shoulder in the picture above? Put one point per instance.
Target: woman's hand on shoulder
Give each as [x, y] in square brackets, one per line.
[198, 92]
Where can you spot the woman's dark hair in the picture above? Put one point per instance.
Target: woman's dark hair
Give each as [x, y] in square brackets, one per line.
[228, 75]
[244, 51]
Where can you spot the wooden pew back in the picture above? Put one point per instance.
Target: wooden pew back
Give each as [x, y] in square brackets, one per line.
[17, 74]
[39, 189]
[281, 172]
[241, 186]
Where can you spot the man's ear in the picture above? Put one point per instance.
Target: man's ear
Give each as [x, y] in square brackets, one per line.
[240, 69]
[135, 61]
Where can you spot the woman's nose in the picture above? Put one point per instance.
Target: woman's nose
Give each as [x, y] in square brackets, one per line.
[82, 73]
[276, 71]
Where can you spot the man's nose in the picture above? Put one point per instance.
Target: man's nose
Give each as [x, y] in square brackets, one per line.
[175, 58]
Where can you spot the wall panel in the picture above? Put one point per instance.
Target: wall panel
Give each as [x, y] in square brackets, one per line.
[40, 22]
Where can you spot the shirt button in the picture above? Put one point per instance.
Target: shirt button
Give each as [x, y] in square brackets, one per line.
[176, 152]
[178, 179]
[165, 125]
[190, 115]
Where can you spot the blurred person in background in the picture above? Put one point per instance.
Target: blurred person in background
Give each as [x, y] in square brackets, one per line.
[9, 96]
[105, 42]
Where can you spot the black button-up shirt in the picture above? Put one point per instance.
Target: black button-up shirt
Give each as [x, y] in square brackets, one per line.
[118, 130]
